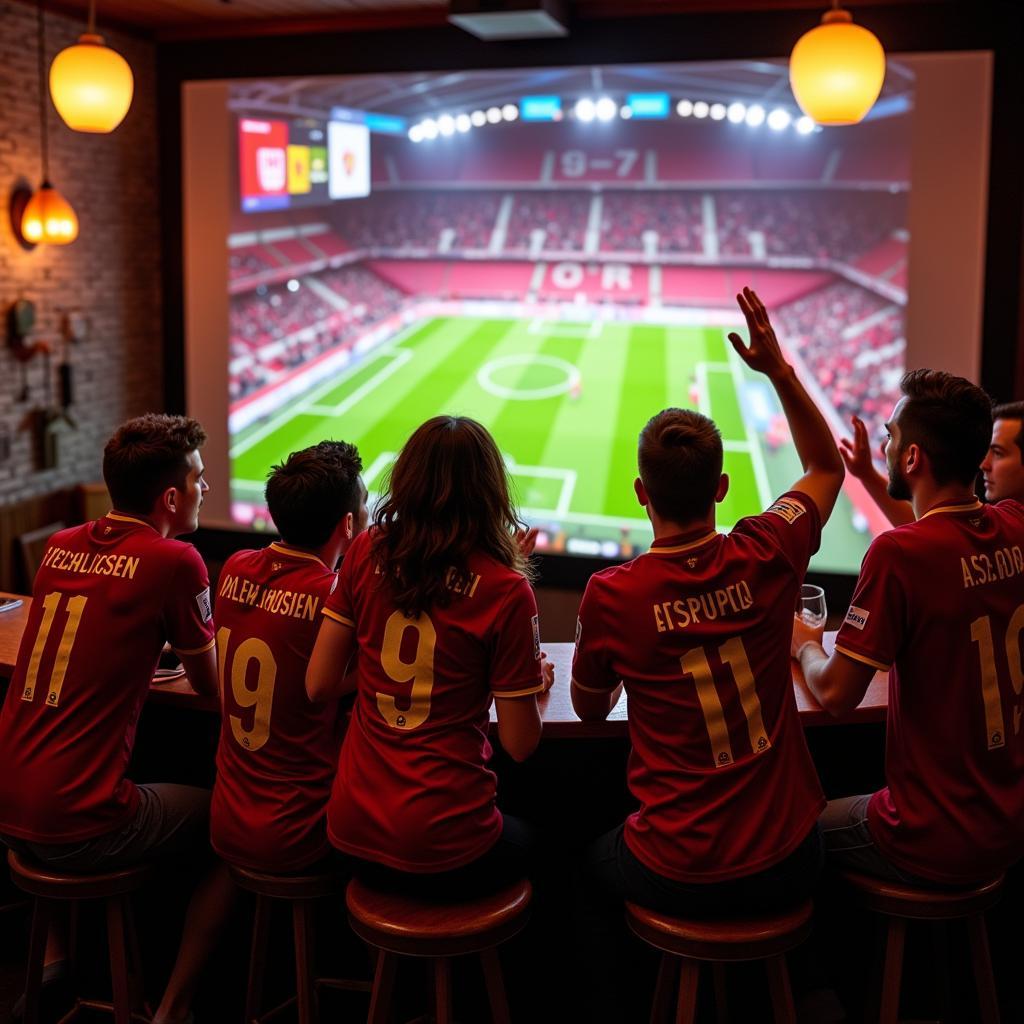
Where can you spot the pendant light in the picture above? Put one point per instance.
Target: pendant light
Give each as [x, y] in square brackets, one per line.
[48, 216]
[90, 83]
[837, 69]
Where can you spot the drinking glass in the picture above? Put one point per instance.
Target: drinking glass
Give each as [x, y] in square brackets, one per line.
[812, 605]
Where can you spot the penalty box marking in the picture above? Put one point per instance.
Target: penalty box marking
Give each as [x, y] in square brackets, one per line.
[568, 478]
[565, 328]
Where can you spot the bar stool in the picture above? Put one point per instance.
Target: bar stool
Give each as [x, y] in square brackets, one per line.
[398, 925]
[301, 892]
[900, 903]
[686, 944]
[47, 887]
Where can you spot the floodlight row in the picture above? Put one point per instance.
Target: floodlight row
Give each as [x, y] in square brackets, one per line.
[447, 125]
[604, 108]
[754, 115]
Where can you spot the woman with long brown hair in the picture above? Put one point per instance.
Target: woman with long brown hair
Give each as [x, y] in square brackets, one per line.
[436, 603]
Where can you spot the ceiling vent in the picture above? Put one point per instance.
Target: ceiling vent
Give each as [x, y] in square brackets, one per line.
[510, 19]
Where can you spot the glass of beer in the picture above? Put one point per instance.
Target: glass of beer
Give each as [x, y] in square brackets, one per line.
[812, 605]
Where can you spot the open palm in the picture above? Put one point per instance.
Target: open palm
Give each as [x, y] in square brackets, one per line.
[763, 354]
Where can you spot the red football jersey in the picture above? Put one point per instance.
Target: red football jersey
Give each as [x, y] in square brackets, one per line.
[413, 790]
[278, 750]
[698, 629]
[942, 602]
[107, 596]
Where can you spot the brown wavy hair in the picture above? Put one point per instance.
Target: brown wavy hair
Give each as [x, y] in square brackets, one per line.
[447, 497]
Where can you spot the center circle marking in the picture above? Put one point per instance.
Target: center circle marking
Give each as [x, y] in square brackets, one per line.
[485, 379]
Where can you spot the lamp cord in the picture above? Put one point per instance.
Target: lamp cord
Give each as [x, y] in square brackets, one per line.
[91, 29]
[44, 141]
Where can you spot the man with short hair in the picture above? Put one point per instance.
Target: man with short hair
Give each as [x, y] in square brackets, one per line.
[107, 596]
[940, 605]
[1002, 469]
[697, 631]
[278, 751]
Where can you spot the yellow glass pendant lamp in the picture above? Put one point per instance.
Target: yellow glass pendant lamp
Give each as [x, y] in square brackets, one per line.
[91, 85]
[49, 218]
[836, 70]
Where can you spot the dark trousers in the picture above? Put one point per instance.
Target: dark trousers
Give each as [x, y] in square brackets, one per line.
[610, 874]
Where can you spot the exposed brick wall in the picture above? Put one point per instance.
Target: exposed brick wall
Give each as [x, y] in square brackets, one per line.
[110, 273]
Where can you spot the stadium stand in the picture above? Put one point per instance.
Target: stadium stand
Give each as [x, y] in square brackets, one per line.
[562, 216]
[675, 218]
[852, 341]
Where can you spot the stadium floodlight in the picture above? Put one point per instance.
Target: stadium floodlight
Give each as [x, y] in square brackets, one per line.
[585, 109]
[293, 285]
[755, 116]
[463, 123]
[717, 111]
[736, 113]
[510, 112]
[779, 119]
[493, 115]
[606, 108]
[429, 128]
[478, 119]
[701, 109]
[684, 108]
[446, 125]
[416, 133]
[625, 111]
[805, 125]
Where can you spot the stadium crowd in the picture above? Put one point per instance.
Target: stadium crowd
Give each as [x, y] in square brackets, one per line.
[852, 341]
[435, 593]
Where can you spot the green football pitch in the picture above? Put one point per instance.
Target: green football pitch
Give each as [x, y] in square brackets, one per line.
[565, 402]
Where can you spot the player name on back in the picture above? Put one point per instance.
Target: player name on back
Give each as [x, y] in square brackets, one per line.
[89, 563]
[1001, 564]
[691, 611]
[295, 603]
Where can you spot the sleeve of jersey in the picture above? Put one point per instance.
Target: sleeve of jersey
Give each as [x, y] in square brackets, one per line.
[791, 524]
[872, 631]
[515, 659]
[188, 613]
[591, 669]
[338, 605]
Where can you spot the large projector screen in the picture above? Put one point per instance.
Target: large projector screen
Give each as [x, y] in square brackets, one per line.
[556, 253]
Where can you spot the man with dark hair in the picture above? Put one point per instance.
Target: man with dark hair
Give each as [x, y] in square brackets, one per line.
[940, 605]
[697, 631]
[278, 751]
[107, 596]
[1002, 469]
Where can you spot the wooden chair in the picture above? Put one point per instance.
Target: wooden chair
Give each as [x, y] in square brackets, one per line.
[31, 548]
[48, 887]
[899, 904]
[687, 944]
[398, 925]
[301, 893]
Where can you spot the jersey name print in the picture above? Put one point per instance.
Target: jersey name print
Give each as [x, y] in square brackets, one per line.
[413, 791]
[941, 601]
[107, 596]
[697, 631]
[278, 750]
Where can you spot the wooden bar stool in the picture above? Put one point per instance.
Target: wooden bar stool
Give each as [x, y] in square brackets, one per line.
[48, 887]
[901, 903]
[301, 892]
[686, 944]
[399, 925]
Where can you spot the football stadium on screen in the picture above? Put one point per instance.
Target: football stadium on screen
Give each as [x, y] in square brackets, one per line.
[556, 253]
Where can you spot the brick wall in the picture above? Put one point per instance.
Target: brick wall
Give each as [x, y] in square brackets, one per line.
[110, 273]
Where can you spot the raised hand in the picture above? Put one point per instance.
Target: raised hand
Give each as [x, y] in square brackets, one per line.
[527, 540]
[857, 453]
[763, 353]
